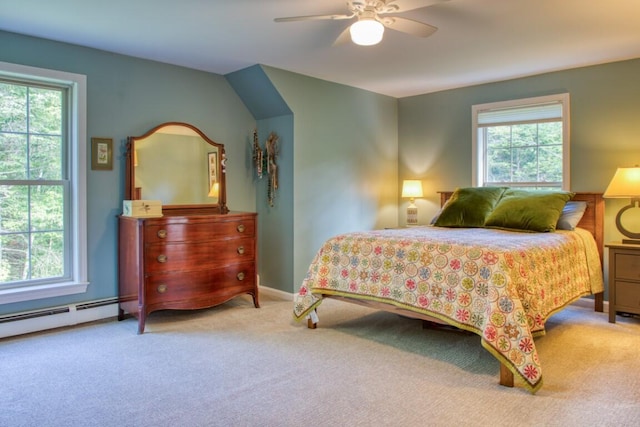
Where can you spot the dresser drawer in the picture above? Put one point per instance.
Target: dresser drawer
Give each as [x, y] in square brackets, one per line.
[627, 296]
[627, 266]
[197, 255]
[188, 259]
[221, 283]
[197, 231]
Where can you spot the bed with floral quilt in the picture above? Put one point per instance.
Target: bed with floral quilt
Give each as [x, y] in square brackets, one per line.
[499, 282]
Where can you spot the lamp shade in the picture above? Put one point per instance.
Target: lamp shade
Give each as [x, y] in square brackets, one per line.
[366, 32]
[625, 184]
[214, 191]
[411, 188]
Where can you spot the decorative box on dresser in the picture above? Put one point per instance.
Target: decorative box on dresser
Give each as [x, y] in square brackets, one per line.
[185, 262]
[624, 279]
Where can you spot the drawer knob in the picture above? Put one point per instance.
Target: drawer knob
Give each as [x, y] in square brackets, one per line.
[240, 276]
[241, 250]
[162, 288]
[162, 234]
[162, 258]
[241, 228]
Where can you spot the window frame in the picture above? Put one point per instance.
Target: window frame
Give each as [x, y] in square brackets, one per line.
[478, 150]
[76, 209]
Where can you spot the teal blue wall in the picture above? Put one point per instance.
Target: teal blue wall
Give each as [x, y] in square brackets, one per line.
[276, 231]
[435, 131]
[345, 177]
[337, 166]
[128, 96]
[344, 150]
[337, 161]
[275, 223]
[258, 93]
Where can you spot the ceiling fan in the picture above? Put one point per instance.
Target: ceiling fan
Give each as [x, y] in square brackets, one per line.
[372, 19]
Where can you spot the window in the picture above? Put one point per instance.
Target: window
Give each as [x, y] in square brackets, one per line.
[42, 183]
[522, 143]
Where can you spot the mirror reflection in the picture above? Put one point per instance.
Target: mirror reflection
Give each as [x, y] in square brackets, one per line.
[178, 165]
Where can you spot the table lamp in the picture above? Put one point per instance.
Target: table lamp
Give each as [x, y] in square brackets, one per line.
[625, 185]
[214, 191]
[412, 188]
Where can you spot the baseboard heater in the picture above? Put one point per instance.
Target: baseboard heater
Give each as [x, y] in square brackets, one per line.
[55, 317]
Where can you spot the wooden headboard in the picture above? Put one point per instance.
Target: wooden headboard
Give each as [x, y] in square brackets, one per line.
[592, 220]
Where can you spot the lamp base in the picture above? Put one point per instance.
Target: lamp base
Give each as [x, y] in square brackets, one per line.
[634, 237]
[412, 214]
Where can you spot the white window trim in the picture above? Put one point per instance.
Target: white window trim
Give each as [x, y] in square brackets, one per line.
[78, 143]
[477, 173]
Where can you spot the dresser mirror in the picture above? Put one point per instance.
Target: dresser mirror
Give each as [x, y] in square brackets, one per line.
[180, 166]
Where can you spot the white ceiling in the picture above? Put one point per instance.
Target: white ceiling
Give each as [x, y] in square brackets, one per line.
[478, 41]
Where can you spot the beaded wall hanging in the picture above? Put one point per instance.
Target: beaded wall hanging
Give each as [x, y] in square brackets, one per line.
[265, 160]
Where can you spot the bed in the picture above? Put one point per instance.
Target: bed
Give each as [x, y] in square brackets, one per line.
[495, 281]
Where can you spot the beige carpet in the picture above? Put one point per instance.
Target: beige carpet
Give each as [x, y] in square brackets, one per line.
[235, 365]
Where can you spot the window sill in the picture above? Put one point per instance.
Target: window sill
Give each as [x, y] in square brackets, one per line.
[29, 293]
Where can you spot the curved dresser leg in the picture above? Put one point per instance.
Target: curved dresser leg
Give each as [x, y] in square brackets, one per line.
[142, 317]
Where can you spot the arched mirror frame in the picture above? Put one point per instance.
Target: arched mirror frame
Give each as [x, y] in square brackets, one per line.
[131, 192]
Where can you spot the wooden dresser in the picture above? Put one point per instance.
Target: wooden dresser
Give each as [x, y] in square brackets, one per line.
[185, 262]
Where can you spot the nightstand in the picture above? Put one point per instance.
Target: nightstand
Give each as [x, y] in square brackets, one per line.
[624, 279]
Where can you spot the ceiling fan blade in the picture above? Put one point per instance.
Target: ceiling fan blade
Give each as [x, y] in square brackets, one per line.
[408, 26]
[397, 6]
[313, 18]
[343, 38]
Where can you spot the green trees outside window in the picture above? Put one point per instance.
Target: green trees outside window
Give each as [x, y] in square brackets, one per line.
[524, 153]
[33, 182]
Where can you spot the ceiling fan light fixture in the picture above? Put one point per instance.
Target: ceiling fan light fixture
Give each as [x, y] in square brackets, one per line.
[366, 32]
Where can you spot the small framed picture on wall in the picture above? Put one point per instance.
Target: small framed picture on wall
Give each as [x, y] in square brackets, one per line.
[102, 154]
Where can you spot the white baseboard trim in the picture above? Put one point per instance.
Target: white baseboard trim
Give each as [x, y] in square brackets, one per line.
[57, 317]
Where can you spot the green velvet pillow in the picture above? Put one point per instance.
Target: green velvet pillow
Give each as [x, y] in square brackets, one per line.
[469, 207]
[528, 210]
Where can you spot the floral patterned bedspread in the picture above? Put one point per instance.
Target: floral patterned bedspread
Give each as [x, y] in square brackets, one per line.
[498, 284]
